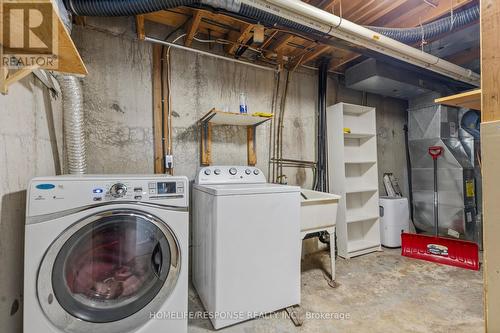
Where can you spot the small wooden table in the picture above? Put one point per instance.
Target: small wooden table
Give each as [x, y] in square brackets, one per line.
[217, 117]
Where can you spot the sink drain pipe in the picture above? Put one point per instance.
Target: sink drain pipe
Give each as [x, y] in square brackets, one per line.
[293, 14]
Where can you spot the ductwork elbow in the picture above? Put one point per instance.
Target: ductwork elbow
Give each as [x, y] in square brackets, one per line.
[74, 133]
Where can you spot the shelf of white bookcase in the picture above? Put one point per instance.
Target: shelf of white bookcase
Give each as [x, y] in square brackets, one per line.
[361, 162]
[358, 135]
[360, 245]
[353, 217]
[361, 190]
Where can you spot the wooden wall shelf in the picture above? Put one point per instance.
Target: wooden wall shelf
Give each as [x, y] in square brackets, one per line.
[68, 58]
[217, 117]
[469, 99]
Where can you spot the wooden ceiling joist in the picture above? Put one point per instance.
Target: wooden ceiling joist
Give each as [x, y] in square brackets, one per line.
[239, 38]
[280, 45]
[192, 28]
[312, 55]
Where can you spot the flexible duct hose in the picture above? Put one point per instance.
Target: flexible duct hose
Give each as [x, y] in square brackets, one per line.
[74, 135]
[135, 7]
[121, 7]
[430, 30]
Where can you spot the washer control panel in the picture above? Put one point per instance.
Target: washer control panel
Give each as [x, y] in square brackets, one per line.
[230, 175]
[61, 193]
[145, 190]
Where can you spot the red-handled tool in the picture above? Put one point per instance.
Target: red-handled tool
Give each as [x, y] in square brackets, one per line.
[446, 251]
[435, 152]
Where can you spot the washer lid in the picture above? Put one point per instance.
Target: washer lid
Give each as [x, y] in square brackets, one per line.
[246, 189]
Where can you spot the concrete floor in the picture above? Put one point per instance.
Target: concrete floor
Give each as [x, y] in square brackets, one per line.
[380, 292]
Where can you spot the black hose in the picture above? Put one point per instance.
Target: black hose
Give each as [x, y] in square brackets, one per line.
[408, 167]
[122, 7]
[322, 179]
[431, 30]
[135, 7]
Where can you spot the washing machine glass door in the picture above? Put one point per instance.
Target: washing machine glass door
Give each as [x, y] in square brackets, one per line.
[110, 266]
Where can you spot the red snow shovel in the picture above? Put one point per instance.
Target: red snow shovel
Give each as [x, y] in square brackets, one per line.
[445, 251]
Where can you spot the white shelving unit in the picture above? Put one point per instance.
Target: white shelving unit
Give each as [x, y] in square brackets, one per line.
[352, 163]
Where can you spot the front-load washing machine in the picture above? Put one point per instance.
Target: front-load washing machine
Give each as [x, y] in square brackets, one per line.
[246, 244]
[106, 254]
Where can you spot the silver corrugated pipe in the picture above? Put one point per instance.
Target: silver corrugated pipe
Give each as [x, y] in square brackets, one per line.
[74, 135]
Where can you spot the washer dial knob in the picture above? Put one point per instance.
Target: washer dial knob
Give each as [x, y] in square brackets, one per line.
[217, 172]
[248, 171]
[256, 172]
[118, 190]
[233, 171]
[207, 172]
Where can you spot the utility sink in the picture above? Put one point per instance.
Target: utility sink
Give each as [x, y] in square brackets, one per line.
[318, 211]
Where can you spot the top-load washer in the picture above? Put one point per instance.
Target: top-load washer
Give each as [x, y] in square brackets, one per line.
[246, 244]
[106, 254]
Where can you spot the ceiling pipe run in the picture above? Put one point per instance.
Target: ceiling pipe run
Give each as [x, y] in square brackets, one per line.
[320, 20]
[293, 14]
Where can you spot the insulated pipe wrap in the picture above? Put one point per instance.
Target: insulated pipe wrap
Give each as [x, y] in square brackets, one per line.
[121, 7]
[74, 135]
[431, 30]
[271, 19]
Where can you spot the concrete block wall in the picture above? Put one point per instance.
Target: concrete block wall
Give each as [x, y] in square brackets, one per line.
[30, 145]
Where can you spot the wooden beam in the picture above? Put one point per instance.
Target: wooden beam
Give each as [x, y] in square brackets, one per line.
[282, 42]
[490, 60]
[369, 11]
[269, 39]
[469, 99]
[312, 55]
[10, 78]
[139, 26]
[206, 143]
[192, 28]
[385, 8]
[490, 143]
[251, 149]
[157, 110]
[350, 56]
[239, 39]
[416, 12]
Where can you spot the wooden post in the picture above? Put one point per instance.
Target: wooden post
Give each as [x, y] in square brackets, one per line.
[206, 143]
[490, 148]
[139, 25]
[251, 149]
[157, 111]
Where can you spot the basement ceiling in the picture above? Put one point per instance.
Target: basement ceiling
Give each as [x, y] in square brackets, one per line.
[292, 49]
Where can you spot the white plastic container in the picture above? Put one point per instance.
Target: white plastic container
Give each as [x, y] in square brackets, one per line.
[243, 103]
[394, 219]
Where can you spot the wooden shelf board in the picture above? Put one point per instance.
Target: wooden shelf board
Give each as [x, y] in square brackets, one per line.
[217, 117]
[469, 99]
[358, 135]
[68, 58]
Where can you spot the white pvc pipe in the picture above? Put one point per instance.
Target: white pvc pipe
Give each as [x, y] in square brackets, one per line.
[338, 27]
